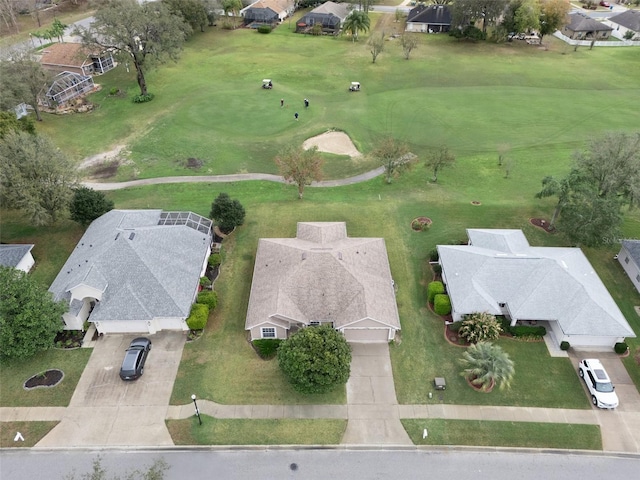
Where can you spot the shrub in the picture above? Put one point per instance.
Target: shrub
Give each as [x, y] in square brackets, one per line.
[564, 345]
[198, 317]
[437, 268]
[208, 298]
[620, 348]
[143, 98]
[215, 259]
[455, 326]
[264, 29]
[479, 327]
[434, 289]
[505, 323]
[114, 91]
[205, 282]
[442, 304]
[527, 331]
[267, 347]
[434, 256]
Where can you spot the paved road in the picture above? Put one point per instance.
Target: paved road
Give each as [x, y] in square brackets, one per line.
[330, 464]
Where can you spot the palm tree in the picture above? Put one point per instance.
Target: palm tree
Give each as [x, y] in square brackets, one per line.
[486, 365]
[357, 21]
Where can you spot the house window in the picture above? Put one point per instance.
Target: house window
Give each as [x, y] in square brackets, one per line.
[268, 332]
[626, 259]
[314, 324]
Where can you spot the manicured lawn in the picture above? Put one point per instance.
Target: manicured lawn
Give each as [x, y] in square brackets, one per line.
[471, 97]
[32, 432]
[215, 431]
[504, 434]
[14, 373]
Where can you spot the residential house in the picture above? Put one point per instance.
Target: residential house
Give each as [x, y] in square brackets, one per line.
[135, 271]
[583, 27]
[330, 15]
[76, 58]
[629, 258]
[322, 276]
[17, 256]
[627, 21]
[429, 18]
[500, 273]
[267, 12]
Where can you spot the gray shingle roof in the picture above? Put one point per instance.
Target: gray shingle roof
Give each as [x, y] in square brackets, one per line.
[145, 270]
[11, 255]
[322, 275]
[629, 19]
[537, 283]
[579, 22]
[338, 9]
[633, 247]
[431, 14]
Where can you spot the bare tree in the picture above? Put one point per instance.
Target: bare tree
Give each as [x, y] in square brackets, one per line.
[300, 166]
[8, 14]
[376, 42]
[394, 156]
[408, 42]
[439, 159]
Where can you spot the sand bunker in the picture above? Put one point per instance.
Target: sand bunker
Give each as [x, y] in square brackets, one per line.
[338, 143]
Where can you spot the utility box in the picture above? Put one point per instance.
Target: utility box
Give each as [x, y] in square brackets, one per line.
[439, 383]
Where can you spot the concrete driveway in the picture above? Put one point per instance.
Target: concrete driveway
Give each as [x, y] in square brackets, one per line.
[105, 410]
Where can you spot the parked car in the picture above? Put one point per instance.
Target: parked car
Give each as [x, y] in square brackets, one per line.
[135, 358]
[605, 4]
[598, 383]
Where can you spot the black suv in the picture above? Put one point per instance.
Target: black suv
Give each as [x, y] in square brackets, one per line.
[134, 358]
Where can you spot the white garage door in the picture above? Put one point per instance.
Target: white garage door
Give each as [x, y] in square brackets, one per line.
[370, 335]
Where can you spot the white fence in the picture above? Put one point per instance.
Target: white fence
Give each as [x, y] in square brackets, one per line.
[597, 43]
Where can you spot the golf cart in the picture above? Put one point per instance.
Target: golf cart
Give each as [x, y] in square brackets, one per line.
[266, 83]
[355, 87]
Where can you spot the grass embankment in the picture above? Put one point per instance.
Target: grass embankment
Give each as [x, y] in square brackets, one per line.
[215, 431]
[504, 434]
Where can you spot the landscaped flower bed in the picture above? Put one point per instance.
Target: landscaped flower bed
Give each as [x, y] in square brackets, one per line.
[420, 224]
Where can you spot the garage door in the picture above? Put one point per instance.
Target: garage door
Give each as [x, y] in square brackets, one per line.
[366, 334]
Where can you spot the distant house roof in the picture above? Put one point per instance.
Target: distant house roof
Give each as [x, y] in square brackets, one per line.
[629, 19]
[329, 14]
[275, 6]
[633, 247]
[12, 255]
[147, 263]
[430, 14]
[338, 9]
[71, 57]
[322, 275]
[536, 283]
[579, 22]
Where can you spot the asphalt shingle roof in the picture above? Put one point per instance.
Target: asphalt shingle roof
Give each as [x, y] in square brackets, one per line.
[579, 22]
[537, 283]
[629, 19]
[633, 247]
[145, 270]
[10, 255]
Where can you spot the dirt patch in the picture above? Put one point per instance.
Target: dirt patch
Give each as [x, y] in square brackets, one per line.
[337, 143]
[102, 158]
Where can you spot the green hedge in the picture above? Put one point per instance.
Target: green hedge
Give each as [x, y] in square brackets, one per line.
[434, 289]
[564, 345]
[208, 298]
[620, 348]
[198, 317]
[527, 331]
[267, 347]
[215, 259]
[442, 304]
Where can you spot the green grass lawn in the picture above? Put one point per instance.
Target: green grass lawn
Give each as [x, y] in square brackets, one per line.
[214, 431]
[32, 432]
[504, 434]
[13, 374]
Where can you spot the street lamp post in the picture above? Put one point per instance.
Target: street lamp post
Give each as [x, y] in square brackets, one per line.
[195, 404]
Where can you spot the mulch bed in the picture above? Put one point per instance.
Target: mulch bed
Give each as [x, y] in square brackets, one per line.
[50, 378]
[543, 224]
[69, 339]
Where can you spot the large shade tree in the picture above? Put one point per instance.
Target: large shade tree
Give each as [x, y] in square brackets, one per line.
[35, 177]
[88, 204]
[145, 34]
[553, 15]
[315, 359]
[300, 166]
[227, 213]
[22, 79]
[29, 317]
